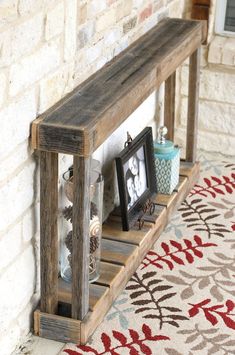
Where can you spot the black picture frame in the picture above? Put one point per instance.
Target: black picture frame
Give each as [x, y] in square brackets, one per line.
[134, 191]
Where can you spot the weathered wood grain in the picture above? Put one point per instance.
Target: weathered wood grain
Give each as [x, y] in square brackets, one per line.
[182, 182]
[48, 231]
[164, 200]
[117, 252]
[57, 328]
[193, 92]
[115, 232]
[96, 293]
[154, 233]
[81, 240]
[97, 107]
[192, 172]
[112, 276]
[169, 106]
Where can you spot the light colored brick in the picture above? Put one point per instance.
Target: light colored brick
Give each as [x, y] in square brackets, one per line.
[228, 55]
[112, 37]
[101, 62]
[85, 34]
[215, 50]
[15, 122]
[157, 5]
[82, 13]
[10, 245]
[214, 85]
[17, 287]
[220, 143]
[176, 8]
[96, 7]
[25, 320]
[124, 9]
[213, 116]
[163, 14]
[145, 13]
[5, 48]
[137, 4]
[93, 53]
[204, 56]
[151, 21]
[53, 88]
[3, 86]
[208, 141]
[123, 44]
[26, 36]
[34, 67]
[106, 20]
[30, 224]
[217, 86]
[29, 6]
[111, 2]
[11, 163]
[70, 31]
[18, 195]
[55, 21]
[8, 12]
[130, 24]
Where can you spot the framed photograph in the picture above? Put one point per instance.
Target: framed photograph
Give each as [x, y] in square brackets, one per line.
[136, 177]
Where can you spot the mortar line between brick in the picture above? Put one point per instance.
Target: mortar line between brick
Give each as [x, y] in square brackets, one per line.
[210, 100]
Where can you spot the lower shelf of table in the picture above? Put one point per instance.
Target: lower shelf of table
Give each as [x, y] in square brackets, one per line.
[122, 252]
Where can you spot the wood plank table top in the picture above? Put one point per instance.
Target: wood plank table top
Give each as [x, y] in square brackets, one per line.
[79, 123]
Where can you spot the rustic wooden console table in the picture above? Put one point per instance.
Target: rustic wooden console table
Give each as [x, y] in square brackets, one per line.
[79, 124]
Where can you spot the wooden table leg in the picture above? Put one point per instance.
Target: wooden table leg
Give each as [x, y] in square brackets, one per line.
[48, 231]
[193, 94]
[81, 241]
[169, 106]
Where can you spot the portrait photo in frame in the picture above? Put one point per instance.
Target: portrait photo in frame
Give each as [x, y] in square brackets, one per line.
[136, 177]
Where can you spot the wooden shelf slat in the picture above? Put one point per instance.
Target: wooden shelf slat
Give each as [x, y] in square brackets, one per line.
[115, 232]
[108, 274]
[117, 252]
[96, 293]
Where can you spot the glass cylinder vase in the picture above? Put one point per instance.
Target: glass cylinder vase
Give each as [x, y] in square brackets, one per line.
[95, 227]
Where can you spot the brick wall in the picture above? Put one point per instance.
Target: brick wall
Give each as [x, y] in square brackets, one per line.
[48, 47]
[217, 99]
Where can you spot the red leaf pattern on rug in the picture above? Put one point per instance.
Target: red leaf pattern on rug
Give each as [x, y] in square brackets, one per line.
[135, 343]
[189, 250]
[215, 186]
[212, 313]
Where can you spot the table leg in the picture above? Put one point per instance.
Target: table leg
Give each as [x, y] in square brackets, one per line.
[48, 231]
[81, 241]
[193, 94]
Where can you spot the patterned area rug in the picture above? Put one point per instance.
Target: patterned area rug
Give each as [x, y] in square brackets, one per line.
[181, 300]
